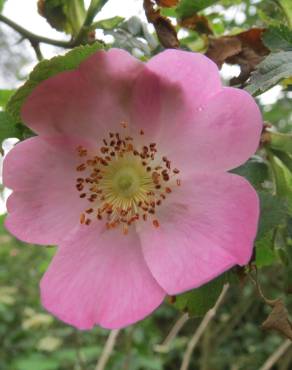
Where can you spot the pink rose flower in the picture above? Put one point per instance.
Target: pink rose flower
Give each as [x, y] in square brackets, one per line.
[128, 176]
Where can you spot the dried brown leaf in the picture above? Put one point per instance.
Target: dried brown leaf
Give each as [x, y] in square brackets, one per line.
[167, 3]
[198, 23]
[278, 319]
[245, 49]
[166, 32]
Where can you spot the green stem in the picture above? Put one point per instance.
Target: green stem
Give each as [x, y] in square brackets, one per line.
[33, 38]
[94, 7]
[280, 141]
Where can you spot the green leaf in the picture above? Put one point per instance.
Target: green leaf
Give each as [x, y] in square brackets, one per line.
[46, 69]
[198, 301]
[280, 141]
[273, 212]
[255, 171]
[4, 97]
[287, 7]
[8, 128]
[278, 38]
[107, 24]
[64, 15]
[94, 7]
[274, 68]
[286, 158]
[265, 254]
[283, 179]
[187, 8]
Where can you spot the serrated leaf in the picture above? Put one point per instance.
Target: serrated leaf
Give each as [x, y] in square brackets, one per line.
[198, 301]
[4, 97]
[273, 212]
[265, 254]
[107, 24]
[278, 38]
[255, 171]
[46, 69]
[63, 15]
[8, 128]
[274, 68]
[187, 8]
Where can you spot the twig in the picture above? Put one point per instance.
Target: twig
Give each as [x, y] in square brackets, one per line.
[276, 355]
[33, 38]
[165, 345]
[200, 330]
[107, 350]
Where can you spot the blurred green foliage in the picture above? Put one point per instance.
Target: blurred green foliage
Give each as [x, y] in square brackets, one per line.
[31, 339]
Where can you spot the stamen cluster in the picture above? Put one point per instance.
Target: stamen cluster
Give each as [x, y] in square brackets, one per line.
[124, 183]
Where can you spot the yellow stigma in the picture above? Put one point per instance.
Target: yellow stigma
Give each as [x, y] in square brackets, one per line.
[125, 183]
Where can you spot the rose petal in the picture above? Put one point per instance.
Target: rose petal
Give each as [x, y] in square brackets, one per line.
[87, 101]
[100, 277]
[221, 135]
[45, 204]
[207, 227]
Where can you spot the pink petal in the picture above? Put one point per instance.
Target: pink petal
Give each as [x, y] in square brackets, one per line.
[45, 204]
[100, 277]
[194, 73]
[179, 102]
[208, 227]
[88, 101]
[221, 135]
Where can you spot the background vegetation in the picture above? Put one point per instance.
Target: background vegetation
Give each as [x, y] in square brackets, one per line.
[256, 37]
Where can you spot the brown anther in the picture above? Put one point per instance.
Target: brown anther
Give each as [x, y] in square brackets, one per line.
[168, 164]
[158, 202]
[83, 195]
[178, 182]
[155, 223]
[135, 152]
[166, 177]
[89, 210]
[88, 222]
[175, 170]
[144, 217]
[104, 149]
[148, 169]
[105, 142]
[141, 132]
[130, 147]
[158, 186]
[103, 162]
[164, 159]
[124, 124]
[111, 134]
[99, 216]
[81, 167]
[168, 190]
[82, 218]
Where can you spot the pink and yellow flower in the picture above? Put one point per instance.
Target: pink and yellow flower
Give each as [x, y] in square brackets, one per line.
[128, 176]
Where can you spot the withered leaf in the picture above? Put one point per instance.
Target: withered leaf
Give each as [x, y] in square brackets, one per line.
[245, 49]
[278, 319]
[198, 23]
[167, 3]
[166, 32]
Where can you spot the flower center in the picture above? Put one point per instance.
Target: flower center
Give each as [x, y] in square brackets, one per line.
[125, 183]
